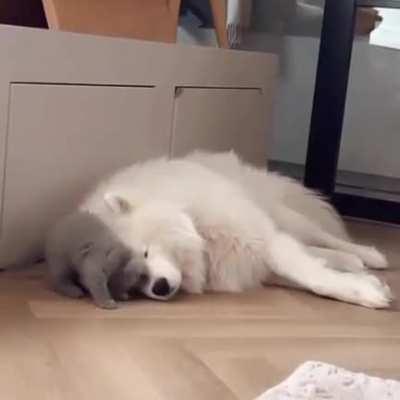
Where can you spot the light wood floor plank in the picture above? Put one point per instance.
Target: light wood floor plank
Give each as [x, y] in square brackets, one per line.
[216, 346]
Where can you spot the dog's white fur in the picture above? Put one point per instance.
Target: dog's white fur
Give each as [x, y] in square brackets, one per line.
[211, 222]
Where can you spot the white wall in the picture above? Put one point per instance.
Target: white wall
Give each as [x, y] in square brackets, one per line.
[294, 100]
[371, 132]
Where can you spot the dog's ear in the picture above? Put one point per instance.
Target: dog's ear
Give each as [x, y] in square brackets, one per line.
[117, 204]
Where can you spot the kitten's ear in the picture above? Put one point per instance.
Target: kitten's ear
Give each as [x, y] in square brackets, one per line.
[117, 204]
[85, 248]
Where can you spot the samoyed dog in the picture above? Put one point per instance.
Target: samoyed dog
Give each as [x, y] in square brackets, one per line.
[210, 222]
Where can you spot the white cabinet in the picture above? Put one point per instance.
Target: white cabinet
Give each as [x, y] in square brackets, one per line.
[61, 139]
[75, 107]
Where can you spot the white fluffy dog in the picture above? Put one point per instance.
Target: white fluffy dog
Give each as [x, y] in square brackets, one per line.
[212, 222]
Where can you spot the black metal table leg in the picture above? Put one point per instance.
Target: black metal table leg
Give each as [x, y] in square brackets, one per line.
[330, 95]
[328, 111]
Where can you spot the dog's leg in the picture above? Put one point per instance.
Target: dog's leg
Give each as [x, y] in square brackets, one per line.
[338, 260]
[310, 233]
[289, 259]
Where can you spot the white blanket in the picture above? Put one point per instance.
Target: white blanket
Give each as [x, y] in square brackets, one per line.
[319, 381]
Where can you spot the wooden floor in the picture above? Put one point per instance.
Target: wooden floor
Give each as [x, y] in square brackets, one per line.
[197, 347]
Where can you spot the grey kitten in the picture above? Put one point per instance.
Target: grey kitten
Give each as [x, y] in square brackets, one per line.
[82, 250]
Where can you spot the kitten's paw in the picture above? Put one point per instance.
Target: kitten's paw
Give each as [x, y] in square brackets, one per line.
[108, 305]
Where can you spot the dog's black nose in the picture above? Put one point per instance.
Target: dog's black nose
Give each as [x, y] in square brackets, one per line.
[161, 287]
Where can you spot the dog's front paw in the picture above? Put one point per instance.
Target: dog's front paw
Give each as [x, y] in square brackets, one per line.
[372, 292]
[352, 263]
[373, 258]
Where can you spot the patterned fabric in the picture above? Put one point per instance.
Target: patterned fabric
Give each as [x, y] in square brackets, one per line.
[319, 381]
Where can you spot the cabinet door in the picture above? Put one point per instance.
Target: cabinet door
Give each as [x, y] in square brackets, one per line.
[220, 119]
[61, 139]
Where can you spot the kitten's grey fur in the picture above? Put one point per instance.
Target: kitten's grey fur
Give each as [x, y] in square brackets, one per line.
[81, 249]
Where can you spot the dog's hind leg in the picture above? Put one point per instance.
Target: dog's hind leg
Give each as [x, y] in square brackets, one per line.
[310, 233]
[289, 259]
[338, 260]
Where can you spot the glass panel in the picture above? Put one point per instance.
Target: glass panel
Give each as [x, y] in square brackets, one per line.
[369, 163]
[292, 30]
